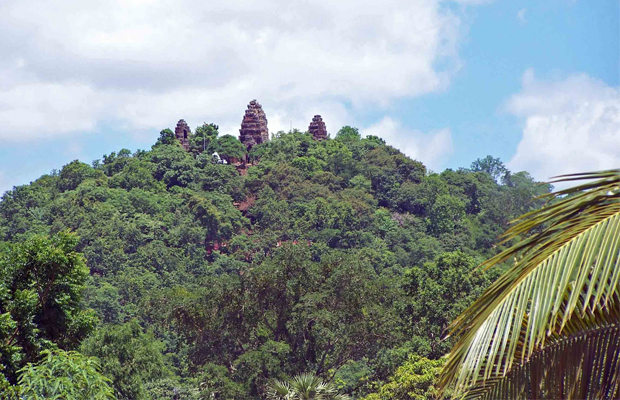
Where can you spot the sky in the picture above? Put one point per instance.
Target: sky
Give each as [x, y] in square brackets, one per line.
[535, 83]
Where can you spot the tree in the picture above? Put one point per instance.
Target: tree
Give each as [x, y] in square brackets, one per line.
[64, 375]
[41, 283]
[75, 173]
[445, 214]
[348, 134]
[492, 166]
[416, 379]
[229, 147]
[174, 166]
[166, 136]
[549, 326]
[437, 292]
[129, 356]
[303, 387]
[204, 139]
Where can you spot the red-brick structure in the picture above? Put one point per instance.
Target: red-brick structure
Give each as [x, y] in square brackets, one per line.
[254, 126]
[317, 128]
[182, 132]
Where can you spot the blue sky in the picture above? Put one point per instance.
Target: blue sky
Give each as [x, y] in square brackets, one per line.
[534, 83]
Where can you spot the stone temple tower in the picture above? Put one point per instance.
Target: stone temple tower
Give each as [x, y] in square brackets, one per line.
[254, 126]
[317, 128]
[182, 132]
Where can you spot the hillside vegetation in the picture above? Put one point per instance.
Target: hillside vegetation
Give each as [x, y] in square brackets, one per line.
[190, 278]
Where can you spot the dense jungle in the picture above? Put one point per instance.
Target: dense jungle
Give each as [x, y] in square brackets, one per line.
[179, 274]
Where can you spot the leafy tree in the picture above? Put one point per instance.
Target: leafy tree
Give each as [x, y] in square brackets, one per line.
[74, 173]
[229, 147]
[348, 134]
[136, 174]
[359, 181]
[548, 327]
[309, 165]
[492, 166]
[24, 210]
[174, 166]
[166, 136]
[217, 215]
[437, 292]
[303, 387]
[416, 379]
[64, 375]
[41, 283]
[374, 140]
[445, 214]
[115, 163]
[130, 357]
[204, 139]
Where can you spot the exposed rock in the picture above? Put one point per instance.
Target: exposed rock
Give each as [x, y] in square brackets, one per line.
[182, 132]
[317, 128]
[254, 126]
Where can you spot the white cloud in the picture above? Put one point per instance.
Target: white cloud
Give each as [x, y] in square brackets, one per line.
[4, 185]
[70, 65]
[571, 125]
[431, 148]
[521, 15]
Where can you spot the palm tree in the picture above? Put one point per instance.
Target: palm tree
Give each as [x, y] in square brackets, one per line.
[303, 387]
[549, 327]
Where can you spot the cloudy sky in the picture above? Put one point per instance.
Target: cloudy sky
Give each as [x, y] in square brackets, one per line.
[535, 83]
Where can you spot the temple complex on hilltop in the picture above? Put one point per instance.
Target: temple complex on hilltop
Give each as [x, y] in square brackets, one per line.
[254, 126]
[182, 132]
[317, 128]
[253, 129]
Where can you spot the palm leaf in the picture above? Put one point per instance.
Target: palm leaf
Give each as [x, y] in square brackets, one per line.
[569, 268]
[279, 390]
[582, 362]
[303, 387]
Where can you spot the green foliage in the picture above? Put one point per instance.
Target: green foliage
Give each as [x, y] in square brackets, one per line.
[230, 147]
[74, 173]
[41, 282]
[416, 379]
[166, 136]
[303, 387]
[204, 139]
[548, 327]
[492, 166]
[445, 214]
[340, 257]
[216, 214]
[438, 292]
[174, 166]
[64, 375]
[348, 134]
[129, 357]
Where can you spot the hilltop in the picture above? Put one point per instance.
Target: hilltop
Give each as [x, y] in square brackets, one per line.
[215, 264]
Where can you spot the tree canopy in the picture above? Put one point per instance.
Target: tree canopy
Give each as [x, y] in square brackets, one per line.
[343, 258]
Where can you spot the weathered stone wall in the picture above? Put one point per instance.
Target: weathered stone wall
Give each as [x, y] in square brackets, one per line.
[254, 126]
[317, 128]
[182, 133]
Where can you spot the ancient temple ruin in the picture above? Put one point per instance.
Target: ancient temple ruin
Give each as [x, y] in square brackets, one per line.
[182, 132]
[317, 128]
[253, 126]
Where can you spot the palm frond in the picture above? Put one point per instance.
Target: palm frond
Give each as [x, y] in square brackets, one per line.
[564, 367]
[583, 366]
[277, 390]
[571, 266]
[302, 387]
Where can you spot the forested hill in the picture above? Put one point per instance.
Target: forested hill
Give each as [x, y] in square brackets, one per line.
[341, 257]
